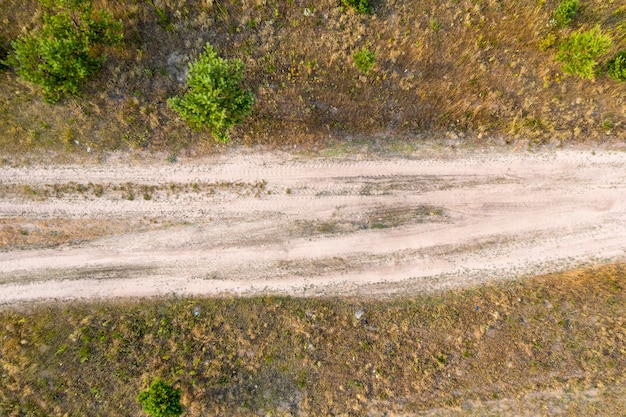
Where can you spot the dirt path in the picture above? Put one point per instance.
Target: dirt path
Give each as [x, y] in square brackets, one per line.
[264, 223]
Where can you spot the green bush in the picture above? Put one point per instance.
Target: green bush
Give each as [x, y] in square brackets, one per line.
[565, 12]
[616, 67]
[580, 51]
[161, 400]
[215, 98]
[361, 6]
[67, 49]
[364, 60]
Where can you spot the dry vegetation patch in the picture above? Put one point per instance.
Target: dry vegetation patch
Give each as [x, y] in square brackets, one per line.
[129, 190]
[466, 71]
[29, 233]
[553, 343]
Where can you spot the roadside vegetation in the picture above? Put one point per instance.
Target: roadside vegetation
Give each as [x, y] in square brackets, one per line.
[552, 344]
[215, 99]
[63, 54]
[461, 72]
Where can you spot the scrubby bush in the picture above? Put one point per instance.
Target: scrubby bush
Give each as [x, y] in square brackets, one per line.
[364, 59]
[616, 67]
[565, 12]
[161, 400]
[579, 52]
[361, 6]
[67, 49]
[215, 98]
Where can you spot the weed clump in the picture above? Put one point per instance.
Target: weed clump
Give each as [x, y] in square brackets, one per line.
[547, 42]
[215, 98]
[616, 67]
[565, 12]
[65, 51]
[364, 59]
[579, 52]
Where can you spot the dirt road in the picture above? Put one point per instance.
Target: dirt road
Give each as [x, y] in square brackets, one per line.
[277, 223]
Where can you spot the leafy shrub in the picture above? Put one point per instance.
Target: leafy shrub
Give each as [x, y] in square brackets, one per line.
[565, 12]
[67, 49]
[161, 400]
[364, 60]
[580, 51]
[616, 67]
[361, 6]
[215, 98]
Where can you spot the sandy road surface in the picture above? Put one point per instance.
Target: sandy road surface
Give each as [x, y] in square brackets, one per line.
[267, 223]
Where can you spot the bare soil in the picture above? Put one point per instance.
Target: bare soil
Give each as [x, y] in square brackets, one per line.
[259, 223]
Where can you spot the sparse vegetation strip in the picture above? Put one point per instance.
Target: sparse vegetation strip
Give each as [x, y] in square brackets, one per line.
[129, 190]
[463, 72]
[470, 349]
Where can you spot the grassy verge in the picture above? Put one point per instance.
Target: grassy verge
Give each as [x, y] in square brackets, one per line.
[553, 343]
[464, 71]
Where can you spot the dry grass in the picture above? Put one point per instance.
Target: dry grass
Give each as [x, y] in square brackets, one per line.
[553, 344]
[382, 217]
[31, 233]
[465, 71]
[128, 190]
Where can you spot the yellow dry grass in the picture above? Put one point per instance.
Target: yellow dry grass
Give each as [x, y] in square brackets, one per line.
[549, 345]
[33, 233]
[466, 71]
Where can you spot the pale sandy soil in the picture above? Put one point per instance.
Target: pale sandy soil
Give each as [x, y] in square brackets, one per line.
[248, 223]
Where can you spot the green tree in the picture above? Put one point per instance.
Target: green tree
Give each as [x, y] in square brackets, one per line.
[579, 52]
[215, 98]
[67, 49]
[161, 400]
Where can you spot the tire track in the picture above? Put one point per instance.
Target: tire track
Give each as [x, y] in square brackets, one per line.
[332, 225]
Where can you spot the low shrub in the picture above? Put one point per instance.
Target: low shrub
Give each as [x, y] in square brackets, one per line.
[215, 98]
[565, 12]
[616, 67]
[161, 400]
[579, 52]
[66, 50]
[364, 59]
[361, 6]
